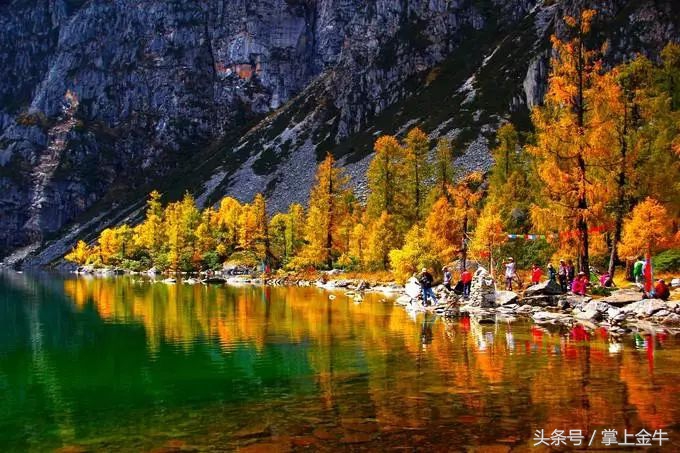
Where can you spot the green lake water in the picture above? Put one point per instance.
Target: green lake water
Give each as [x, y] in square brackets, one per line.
[123, 364]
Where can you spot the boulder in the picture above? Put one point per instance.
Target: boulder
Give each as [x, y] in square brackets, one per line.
[338, 283]
[403, 300]
[591, 315]
[623, 297]
[644, 308]
[506, 297]
[524, 309]
[548, 317]
[547, 288]
[661, 313]
[672, 319]
[675, 283]
[575, 300]
[412, 288]
[598, 305]
[362, 285]
[541, 301]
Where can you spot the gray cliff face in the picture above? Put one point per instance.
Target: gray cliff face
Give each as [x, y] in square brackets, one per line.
[101, 100]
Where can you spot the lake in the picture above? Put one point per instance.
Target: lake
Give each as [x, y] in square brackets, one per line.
[124, 364]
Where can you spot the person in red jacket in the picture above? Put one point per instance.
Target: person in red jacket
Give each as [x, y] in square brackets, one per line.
[536, 274]
[661, 290]
[580, 284]
[466, 279]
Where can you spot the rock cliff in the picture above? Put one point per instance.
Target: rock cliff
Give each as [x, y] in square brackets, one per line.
[101, 100]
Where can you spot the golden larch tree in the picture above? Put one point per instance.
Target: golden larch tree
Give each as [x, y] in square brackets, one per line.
[573, 158]
[416, 174]
[328, 208]
[647, 229]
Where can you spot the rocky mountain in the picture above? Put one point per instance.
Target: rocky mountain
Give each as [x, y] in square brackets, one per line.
[102, 100]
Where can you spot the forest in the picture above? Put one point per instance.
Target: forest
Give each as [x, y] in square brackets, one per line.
[597, 180]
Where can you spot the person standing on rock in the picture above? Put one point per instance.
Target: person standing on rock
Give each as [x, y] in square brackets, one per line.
[447, 278]
[562, 275]
[425, 279]
[509, 273]
[466, 279]
[536, 274]
[552, 273]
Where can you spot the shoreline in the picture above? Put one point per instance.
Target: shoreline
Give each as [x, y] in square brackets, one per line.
[622, 313]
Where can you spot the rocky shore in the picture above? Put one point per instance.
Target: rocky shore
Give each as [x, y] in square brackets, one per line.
[624, 311]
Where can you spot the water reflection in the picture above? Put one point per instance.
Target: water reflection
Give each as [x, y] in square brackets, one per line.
[136, 365]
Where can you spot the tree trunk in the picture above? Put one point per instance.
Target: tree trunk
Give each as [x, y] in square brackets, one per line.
[463, 259]
[491, 260]
[582, 200]
[621, 194]
[417, 191]
[329, 228]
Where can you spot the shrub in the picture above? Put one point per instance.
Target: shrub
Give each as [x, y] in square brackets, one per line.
[667, 261]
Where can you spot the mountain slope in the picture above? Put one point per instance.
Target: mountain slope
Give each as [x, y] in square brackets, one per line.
[222, 97]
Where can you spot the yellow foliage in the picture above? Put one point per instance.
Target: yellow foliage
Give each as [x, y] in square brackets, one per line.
[417, 252]
[329, 204]
[647, 229]
[443, 230]
[382, 238]
[80, 254]
[416, 173]
[489, 234]
[387, 191]
[574, 141]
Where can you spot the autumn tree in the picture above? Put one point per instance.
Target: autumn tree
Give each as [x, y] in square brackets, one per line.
[206, 239]
[109, 245]
[647, 229]
[506, 152]
[149, 235]
[80, 254]
[381, 238]
[416, 253]
[571, 148]
[489, 235]
[434, 243]
[385, 182]
[296, 228]
[615, 103]
[416, 175]
[358, 240]
[658, 162]
[443, 230]
[279, 232]
[328, 207]
[443, 170]
[180, 221]
[466, 195]
[509, 189]
[228, 226]
[261, 227]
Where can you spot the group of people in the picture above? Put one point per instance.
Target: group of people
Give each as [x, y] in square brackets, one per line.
[660, 290]
[565, 275]
[426, 280]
